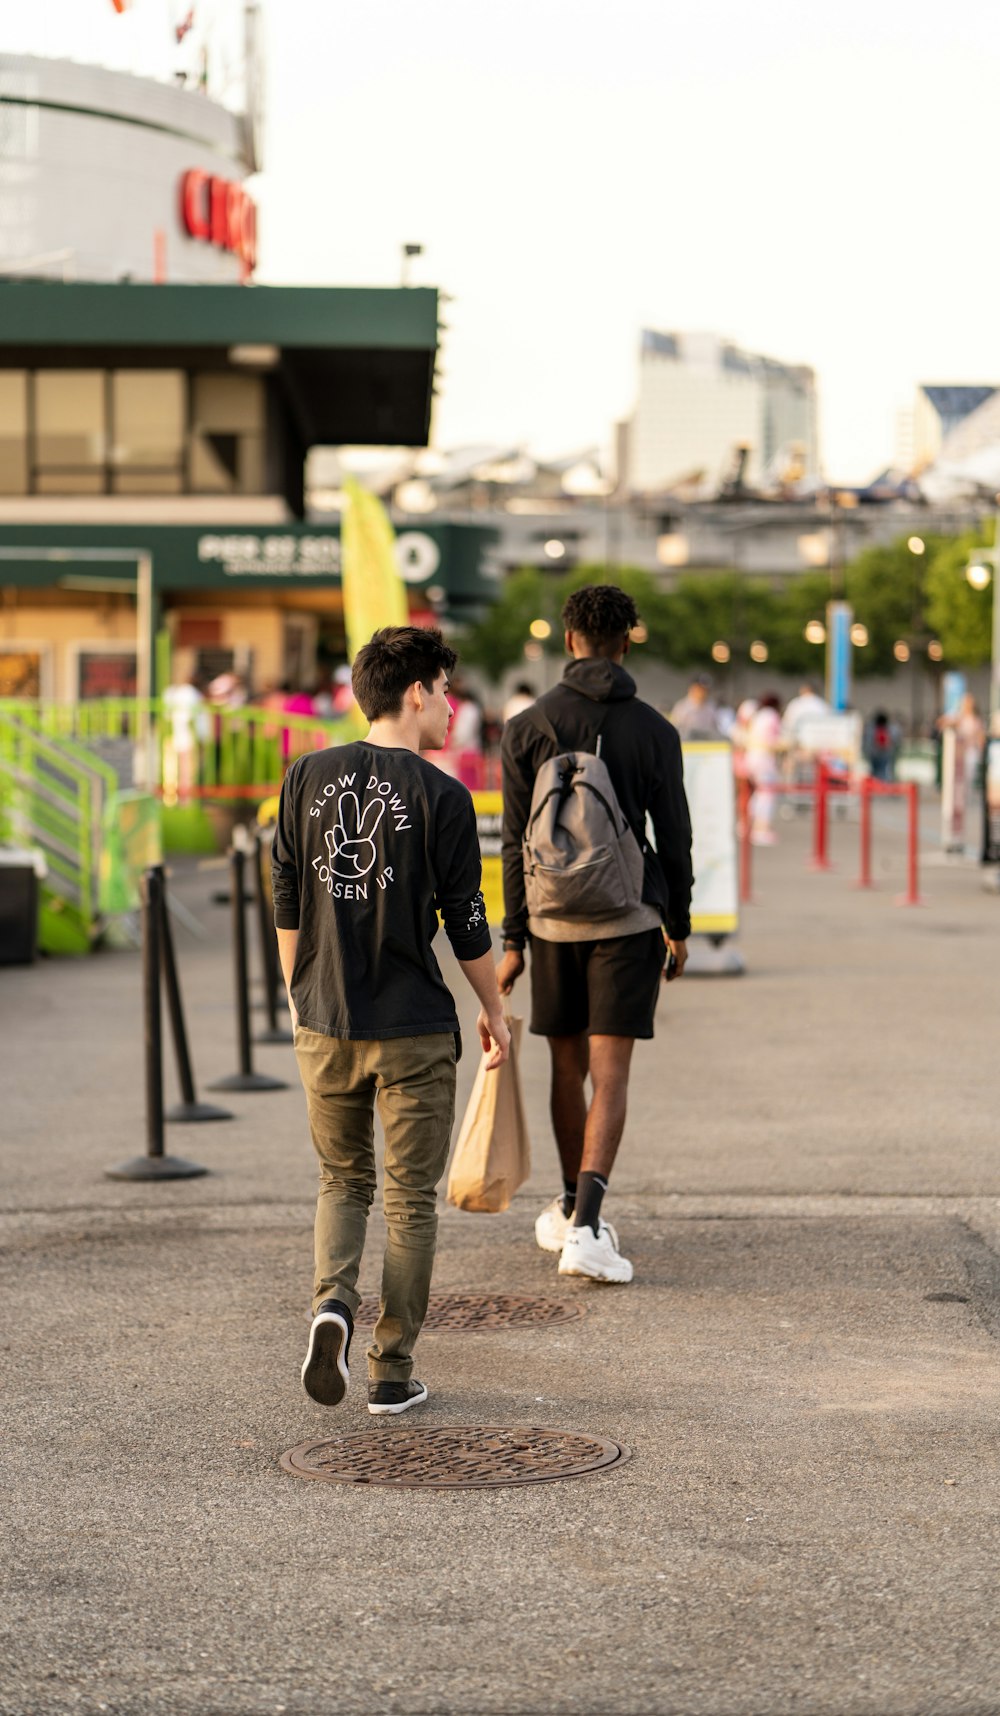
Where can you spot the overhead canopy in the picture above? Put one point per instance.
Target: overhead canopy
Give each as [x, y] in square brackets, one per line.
[356, 363]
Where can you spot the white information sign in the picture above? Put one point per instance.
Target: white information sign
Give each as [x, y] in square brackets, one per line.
[708, 779]
[832, 736]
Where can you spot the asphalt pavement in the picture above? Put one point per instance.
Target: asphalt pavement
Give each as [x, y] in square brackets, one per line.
[804, 1372]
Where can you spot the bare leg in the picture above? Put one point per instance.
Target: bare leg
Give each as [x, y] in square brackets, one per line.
[610, 1058]
[568, 1099]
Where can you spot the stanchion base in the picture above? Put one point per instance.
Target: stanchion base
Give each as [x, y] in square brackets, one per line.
[708, 960]
[186, 1113]
[248, 1081]
[277, 1036]
[817, 865]
[155, 1168]
[905, 900]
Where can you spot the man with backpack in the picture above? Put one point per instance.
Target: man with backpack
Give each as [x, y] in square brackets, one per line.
[582, 771]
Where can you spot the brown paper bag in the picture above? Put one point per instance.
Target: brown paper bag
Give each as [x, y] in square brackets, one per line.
[493, 1156]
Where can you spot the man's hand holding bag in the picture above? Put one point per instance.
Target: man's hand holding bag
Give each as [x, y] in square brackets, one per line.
[492, 1157]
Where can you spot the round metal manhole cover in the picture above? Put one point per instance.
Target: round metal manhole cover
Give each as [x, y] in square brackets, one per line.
[454, 1458]
[485, 1311]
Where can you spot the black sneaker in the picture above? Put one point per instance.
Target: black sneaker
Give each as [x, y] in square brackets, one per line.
[325, 1374]
[395, 1396]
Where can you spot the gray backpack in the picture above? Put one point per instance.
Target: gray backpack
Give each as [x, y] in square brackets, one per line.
[581, 857]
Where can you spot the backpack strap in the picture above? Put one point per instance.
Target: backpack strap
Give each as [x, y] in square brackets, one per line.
[540, 720]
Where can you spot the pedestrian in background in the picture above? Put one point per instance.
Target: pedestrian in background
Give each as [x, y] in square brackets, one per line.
[372, 842]
[520, 699]
[879, 746]
[740, 736]
[695, 716]
[763, 748]
[595, 981]
[190, 726]
[807, 705]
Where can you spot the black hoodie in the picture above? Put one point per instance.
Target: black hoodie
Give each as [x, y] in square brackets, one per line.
[642, 752]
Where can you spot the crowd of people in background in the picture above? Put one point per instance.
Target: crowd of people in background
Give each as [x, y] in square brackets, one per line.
[769, 742]
[773, 747]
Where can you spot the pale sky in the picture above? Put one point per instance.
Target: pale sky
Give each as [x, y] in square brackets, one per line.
[819, 184]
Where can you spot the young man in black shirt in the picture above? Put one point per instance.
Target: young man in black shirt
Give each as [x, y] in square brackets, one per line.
[594, 984]
[372, 842]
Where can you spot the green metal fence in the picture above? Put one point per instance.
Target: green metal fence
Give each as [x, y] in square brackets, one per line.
[53, 796]
[237, 752]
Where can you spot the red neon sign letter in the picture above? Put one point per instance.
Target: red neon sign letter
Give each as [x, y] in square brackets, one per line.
[219, 212]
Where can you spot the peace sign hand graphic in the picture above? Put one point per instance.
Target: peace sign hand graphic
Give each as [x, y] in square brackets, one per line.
[350, 842]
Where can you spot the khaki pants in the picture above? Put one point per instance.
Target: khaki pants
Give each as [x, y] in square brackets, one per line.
[412, 1079]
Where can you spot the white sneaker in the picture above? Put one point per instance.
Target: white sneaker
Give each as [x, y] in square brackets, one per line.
[596, 1255]
[552, 1227]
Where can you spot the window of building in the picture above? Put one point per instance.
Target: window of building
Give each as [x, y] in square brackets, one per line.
[148, 412]
[131, 432]
[13, 432]
[227, 434]
[70, 431]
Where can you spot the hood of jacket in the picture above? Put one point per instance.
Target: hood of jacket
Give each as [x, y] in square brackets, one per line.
[601, 680]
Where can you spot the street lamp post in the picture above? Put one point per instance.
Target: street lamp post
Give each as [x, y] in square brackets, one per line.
[917, 548]
[984, 567]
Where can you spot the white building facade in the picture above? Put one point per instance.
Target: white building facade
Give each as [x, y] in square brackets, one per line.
[702, 400]
[109, 177]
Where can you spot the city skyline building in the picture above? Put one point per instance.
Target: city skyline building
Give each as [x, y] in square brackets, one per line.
[708, 413]
[939, 411]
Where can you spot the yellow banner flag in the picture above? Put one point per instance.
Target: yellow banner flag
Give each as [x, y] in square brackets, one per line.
[374, 592]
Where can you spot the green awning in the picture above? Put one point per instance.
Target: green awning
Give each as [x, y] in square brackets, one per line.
[356, 363]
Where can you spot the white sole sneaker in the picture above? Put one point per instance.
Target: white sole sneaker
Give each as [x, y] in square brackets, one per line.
[416, 1394]
[325, 1375]
[594, 1255]
[551, 1227]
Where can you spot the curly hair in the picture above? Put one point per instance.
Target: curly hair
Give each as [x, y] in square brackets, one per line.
[602, 613]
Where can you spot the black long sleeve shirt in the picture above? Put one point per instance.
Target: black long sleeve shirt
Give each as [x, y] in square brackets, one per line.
[642, 752]
[371, 843]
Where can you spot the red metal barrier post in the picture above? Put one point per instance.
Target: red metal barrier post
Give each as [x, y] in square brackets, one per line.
[821, 855]
[865, 875]
[743, 836]
[912, 895]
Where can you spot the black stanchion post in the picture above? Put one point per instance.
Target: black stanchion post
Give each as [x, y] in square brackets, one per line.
[154, 1165]
[189, 1109]
[275, 1033]
[246, 1078]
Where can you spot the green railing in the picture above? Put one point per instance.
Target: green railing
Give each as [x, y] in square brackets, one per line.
[53, 794]
[236, 752]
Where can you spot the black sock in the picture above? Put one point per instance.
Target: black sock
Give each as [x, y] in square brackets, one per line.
[568, 1197]
[590, 1190]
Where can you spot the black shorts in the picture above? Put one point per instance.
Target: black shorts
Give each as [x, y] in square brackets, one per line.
[608, 987]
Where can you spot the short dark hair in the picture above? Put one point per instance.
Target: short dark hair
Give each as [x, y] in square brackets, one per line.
[602, 613]
[395, 657]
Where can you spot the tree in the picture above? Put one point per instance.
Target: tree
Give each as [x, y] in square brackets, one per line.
[894, 593]
[731, 608]
[885, 587]
[959, 616]
[496, 643]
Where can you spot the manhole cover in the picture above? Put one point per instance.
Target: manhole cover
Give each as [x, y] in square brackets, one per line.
[484, 1311]
[449, 1459]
